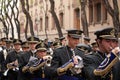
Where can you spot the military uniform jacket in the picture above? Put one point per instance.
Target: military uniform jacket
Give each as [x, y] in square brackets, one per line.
[26, 56]
[11, 57]
[25, 59]
[116, 71]
[2, 59]
[91, 62]
[3, 55]
[39, 74]
[61, 56]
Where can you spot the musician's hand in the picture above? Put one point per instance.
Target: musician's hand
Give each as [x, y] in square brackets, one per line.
[75, 59]
[47, 57]
[16, 62]
[116, 50]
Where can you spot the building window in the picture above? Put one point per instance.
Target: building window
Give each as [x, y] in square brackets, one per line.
[104, 14]
[41, 24]
[46, 22]
[98, 9]
[97, 12]
[61, 20]
[90, 14]
[53, 24]
[77, 18]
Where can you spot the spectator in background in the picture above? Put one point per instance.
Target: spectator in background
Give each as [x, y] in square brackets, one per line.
[94, 46]
[62, 41]
[87, 42]
[25, 46]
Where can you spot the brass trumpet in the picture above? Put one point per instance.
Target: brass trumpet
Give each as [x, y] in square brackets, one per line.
[41, 63]
[36, 67]
[62, 70]
[11, 66]
[74, 68]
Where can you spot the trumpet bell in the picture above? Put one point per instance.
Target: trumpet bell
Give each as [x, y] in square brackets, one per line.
[77, 68]
[48, 60]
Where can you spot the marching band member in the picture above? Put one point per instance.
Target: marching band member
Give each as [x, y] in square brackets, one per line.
[25, 46]
[38, 69]
[32, 41]
[63, 41]
[98, 65]
[94, 47]
[64, 55]
[3, 54]
[12, 60]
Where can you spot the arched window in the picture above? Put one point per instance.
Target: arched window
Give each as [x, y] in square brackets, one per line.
[77, 18]
[61, 16]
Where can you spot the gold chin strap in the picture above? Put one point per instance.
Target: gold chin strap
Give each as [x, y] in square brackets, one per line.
[111, 76]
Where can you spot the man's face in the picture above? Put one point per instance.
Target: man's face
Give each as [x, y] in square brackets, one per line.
[107, 45]
[41, 54]
[32, 46]
[72, 42]
[25, 49]
[17, 46]
[63, 42]
[114, 44]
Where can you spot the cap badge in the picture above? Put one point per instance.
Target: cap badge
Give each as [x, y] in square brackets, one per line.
[17, 41]
[32, 38]
[42, 44]
[112, 32]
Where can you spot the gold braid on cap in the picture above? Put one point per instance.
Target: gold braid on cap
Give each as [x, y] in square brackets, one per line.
[17, 41]
[112, 32]
[42, 44]
[32, 38]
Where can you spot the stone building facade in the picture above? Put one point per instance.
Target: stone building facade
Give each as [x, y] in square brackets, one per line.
[68, 13]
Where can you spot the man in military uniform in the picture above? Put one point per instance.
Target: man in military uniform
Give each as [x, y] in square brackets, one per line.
[63, 55]
[3, 54]
[94, 46]
[84, 48]
[56, 45]
[25, 46]
[97, 66]
[38, 72]
[63, 41]
[12, 61]
[87, 42]
[116, 67]
[32, 41]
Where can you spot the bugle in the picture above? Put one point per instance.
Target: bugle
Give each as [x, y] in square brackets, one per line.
[11, 66]
[41, 63]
